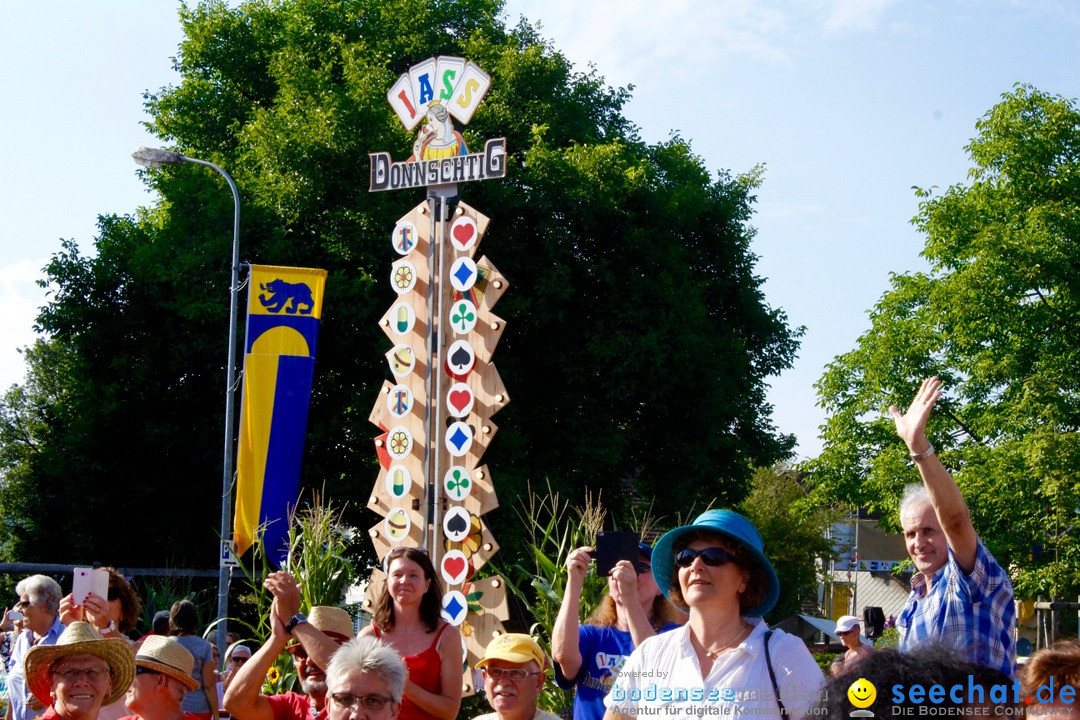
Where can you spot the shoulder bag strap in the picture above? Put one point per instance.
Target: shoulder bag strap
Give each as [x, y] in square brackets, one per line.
[772, 675]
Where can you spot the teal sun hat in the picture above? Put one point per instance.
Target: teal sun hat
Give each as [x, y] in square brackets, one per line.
[729, 525]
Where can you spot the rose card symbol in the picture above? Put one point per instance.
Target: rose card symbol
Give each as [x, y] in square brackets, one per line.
[403, 276]
[454, 567]
[457, 482]
[459, 400]
[463, 233]
[404, 237]
[399, 443]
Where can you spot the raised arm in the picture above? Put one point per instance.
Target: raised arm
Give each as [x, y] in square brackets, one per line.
[949, 506]
[320, 647]
[243, 698]
[623, 588]
[565, 647]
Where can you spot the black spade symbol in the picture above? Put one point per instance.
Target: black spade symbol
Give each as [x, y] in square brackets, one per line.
[461, 358]
[457, 524]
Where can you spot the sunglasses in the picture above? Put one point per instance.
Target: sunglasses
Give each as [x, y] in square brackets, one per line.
[140, 670]
[711, 556]
[643, 568]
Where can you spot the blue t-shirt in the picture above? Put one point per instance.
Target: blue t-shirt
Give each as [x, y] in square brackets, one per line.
[604, 650]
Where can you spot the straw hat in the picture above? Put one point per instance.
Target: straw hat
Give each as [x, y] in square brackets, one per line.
[166, 655]
[333, 621]
[80, 638]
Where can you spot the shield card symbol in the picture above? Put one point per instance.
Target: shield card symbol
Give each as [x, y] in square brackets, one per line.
[454, 607]
[400, 400]
[454, 567]
[404, 237]
[456, 524]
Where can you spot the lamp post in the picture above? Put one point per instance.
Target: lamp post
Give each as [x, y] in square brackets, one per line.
[153, 158]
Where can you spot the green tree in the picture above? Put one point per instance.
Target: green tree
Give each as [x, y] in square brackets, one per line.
[638, 342]
[997, 317]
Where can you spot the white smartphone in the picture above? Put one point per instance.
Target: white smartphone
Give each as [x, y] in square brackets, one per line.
[15, 615]
[89, 580]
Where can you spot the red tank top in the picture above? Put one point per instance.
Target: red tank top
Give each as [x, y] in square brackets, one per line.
[424, 668]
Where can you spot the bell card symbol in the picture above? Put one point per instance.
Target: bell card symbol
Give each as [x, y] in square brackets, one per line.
[397, 525]
[401, 360]
[404, 237]
[459, 400]
[398, 481]
[463, 316]
[456, 523]
[454, 567]
[463, 233]
[399, 442]
[454, 607]
[463, 274]
[402, 318]
[458, 483]
[459, 439]
[400, 400]
[459, 359]
[403, 276]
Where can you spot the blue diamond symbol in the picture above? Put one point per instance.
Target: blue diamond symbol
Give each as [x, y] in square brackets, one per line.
[459, 438]
[463, 274]
[454, 607]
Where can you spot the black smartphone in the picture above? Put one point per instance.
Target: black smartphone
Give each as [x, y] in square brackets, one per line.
[611, 547]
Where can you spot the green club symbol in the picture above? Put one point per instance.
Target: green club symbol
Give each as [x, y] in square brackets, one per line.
[463, 316]
[460, 480]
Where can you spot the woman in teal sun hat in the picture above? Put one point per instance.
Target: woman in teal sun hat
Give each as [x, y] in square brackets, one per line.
[725, 656]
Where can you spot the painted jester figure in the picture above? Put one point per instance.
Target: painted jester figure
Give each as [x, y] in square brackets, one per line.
[960, 595]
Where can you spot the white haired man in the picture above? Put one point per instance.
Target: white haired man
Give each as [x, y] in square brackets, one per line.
[515, 669]
[366, 677]
[39, 602]
[163, 677]
[960, 596]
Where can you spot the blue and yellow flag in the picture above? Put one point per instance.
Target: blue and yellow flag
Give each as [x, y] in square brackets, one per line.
[284, 307]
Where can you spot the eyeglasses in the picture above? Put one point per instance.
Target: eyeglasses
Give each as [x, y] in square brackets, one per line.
[368, 702]
[643, 567]
[496, 673]
[72, 675]
[140, 670]
[711, 556]
[24, 603]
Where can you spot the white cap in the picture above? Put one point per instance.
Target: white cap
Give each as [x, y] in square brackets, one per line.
[845, 623]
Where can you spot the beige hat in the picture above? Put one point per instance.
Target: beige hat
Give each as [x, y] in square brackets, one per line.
[166, 655]
[333, 621]
[515, 648]
[80, 638]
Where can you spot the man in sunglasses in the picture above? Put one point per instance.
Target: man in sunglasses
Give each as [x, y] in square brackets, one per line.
[314, 640]
[515, 669]
[39, 602]
[163, 677]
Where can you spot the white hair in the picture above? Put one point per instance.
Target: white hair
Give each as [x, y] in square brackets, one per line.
[42, 590]
[913, 493]
[369, 654]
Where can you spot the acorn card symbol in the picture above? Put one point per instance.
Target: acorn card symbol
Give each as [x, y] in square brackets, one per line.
[459, 439]
[397, 525]
[400, 400]
[458, 483]
[454, 567]
[399, 442]
[460, 358]
[463, 316]
[398, 481]
[456, 524]
[404, 237]
[463, 274]
[459, 400]
[402, 318]
[463, 233]
[454, 607]
[402, 360]
[403, 276]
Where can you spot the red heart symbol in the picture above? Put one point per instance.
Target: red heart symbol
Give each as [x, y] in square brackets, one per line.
[454, 566]
[463, 233]
[459, 399]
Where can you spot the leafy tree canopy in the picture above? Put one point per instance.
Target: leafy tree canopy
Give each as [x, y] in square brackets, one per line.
[997, 317]
[638, 343]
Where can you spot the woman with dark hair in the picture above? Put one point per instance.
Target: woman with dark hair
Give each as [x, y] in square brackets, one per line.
[588, 656]
[408, 618]
[183, 621]
[725, 656]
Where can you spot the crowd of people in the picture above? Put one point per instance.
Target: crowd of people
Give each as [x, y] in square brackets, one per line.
[679, 632]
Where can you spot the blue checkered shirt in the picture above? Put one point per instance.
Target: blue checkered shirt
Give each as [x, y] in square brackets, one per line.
[973, 613]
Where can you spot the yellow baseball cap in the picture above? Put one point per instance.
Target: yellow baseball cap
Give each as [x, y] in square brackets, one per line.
[515, 648]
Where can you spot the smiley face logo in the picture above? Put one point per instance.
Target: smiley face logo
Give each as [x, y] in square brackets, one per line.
[862, 693]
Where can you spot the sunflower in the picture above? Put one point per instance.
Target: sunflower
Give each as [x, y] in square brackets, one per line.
[273, 675]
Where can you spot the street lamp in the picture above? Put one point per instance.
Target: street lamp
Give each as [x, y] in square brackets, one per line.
[154, 158]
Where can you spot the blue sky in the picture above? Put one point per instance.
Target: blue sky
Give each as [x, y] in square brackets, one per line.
[846, 103]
